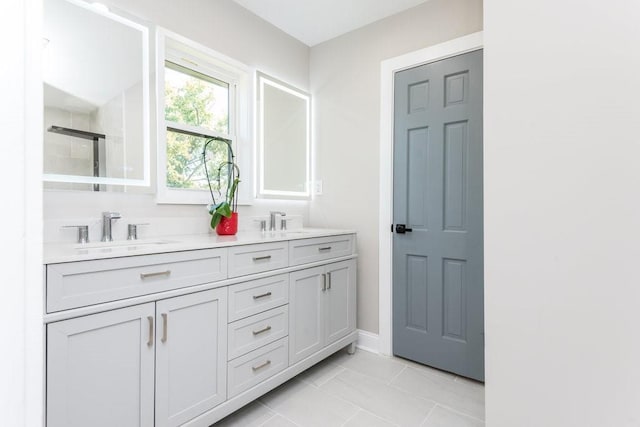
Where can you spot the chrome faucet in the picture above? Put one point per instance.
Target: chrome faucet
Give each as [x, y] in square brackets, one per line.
[272, 219]
[107, 217]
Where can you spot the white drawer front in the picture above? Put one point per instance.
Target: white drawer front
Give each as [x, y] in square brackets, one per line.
[255, 367]
[253, 332]
[78, 284]
[250, 259]
[305, 251]
[256, 296]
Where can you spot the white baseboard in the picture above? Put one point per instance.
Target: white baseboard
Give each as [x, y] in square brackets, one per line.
[368, 341]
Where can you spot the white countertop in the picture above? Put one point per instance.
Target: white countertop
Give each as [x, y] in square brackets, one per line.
[71, 252]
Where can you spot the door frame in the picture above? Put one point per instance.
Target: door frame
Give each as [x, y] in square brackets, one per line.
[388, 68]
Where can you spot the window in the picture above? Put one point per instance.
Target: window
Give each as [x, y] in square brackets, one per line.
[196, 108]
[201, 95]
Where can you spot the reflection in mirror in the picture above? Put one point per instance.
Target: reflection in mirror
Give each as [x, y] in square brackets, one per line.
[284, 139]
[96, 98]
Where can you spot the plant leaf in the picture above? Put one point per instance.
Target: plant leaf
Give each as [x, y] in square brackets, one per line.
[224, 209]
[215, 219]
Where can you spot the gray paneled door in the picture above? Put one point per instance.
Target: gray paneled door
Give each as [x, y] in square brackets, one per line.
[437, 209]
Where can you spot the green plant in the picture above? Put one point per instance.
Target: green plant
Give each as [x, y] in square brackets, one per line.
[229, 204]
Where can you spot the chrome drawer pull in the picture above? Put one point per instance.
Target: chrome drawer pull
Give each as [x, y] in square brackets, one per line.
[268, 328]
[326, 248]
[164, 327]
[268, 294]
[324, 282]
[158, 273]
[329, 280]
[150, 341]
[261, 258]
[262, 365]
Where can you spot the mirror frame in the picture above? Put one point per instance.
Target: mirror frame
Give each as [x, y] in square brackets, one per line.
[146, 110]
[263, 79]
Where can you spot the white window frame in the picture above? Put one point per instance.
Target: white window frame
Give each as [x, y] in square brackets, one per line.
[187, 53]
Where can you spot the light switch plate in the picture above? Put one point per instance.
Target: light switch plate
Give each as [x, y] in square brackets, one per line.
[317, 187]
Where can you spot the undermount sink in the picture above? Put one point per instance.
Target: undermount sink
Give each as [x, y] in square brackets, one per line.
[120, 245]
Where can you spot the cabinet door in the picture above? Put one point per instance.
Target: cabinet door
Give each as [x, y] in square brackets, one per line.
[191, 355]
[100, 369]
[306, 326]
[340, 303]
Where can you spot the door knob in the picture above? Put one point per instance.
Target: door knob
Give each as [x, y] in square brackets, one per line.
[402, 228]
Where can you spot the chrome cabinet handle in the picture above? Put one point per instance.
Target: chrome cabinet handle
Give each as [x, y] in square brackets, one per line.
[265, 329]
[329, 280]
[157, 273]
[262, 365]
[267, 294]
[324, 282]
[261, 258]
[164, 328]
[150, 340]
[326, 248]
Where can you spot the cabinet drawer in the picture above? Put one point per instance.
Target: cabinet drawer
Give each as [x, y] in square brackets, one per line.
[250, 259]
[256, 296]
[255, 367]
[78, 284]
[253, 332]
[305, 251]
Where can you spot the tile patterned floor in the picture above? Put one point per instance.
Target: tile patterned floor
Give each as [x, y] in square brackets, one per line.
[366, 390]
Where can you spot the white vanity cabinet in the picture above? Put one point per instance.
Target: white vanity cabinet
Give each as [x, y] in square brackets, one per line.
[191, 355]
[258, 331]
[100, 369]
[186, 337]
[323, 307]
[108, 360]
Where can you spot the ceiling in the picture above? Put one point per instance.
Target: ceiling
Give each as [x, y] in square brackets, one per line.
[315, 21]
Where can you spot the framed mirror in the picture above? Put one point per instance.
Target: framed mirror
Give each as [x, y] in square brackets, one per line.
[284, 139]
[96, 98]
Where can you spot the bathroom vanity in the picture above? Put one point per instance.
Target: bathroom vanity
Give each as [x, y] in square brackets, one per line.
[185, 331]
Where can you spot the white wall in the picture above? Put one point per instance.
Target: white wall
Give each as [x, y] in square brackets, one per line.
[231, 30]
[345, 83]
[20, 170]
[562, 213]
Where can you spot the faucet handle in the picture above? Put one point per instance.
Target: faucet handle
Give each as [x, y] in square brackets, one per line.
[83, 232]
[111, 215]
[132, 230]
[283, 223]
[263, 224]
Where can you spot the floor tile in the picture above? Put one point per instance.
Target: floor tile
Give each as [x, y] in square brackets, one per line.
[321, 373]
[383, 400]
[252, 415]
[443, 417]
[308, 406]
[463, 396]
[367, 390]
[279, 421]
[380, 367]
[429, 369]
[470, 383]
[366, 419]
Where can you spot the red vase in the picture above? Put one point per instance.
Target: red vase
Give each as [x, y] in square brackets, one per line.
[228, 226]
